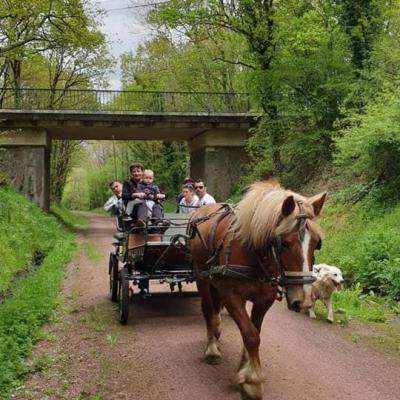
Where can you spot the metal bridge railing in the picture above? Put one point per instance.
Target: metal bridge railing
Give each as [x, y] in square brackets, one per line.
[123, 101]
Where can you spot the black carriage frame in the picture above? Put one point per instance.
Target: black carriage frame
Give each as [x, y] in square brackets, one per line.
[166, 261]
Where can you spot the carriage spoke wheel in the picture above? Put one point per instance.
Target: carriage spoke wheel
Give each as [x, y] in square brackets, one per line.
[124, 296]
[113, 271]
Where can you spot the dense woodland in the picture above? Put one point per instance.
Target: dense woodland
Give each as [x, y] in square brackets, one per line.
[323, 75]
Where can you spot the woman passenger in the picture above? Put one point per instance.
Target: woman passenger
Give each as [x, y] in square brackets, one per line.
[189, 201]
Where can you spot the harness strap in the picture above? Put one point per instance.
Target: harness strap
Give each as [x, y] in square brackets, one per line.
[192, 227]
[237, 271]
[230, 270]
[213, 230]
[290, 274]
[251, 272]
[284, 281]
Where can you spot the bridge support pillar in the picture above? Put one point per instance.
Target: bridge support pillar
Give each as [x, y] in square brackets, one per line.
[25, 163]
[218, 156]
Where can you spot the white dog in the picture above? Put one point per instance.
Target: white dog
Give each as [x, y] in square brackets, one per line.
[329, 278]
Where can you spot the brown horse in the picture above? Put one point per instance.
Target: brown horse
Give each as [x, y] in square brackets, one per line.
[246, 253]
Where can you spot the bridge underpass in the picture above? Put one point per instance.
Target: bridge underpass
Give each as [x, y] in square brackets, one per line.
[216, 141]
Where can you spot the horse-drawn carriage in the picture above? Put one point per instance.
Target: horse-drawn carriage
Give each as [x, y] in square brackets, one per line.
[240, 254]
[142, 254]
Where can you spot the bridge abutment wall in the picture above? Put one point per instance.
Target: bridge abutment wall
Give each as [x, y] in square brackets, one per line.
[25, 163]
[218, 157]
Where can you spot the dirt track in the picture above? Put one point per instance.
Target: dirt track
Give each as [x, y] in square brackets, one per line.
[89, 355]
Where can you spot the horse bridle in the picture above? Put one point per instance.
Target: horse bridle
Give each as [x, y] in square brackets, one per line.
[260, 272]
[287, 278]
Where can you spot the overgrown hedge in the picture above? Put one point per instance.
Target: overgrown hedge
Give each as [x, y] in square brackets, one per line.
[363, 239]
[26, 230]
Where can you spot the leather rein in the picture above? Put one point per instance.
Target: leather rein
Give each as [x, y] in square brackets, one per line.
[258, 272]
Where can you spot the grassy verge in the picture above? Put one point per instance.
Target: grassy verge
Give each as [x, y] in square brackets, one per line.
[362, 239]
[100, 210]
[27, 231]
[22, 315]
[352, 304]
[70, 219]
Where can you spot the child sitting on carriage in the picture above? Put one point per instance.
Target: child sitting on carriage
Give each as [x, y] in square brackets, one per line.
[153, 197]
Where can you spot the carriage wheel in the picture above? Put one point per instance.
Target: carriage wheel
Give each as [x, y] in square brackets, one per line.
[113, 271]
[124, 296]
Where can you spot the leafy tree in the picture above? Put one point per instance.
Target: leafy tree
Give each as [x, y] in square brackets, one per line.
[55, 44]
[362, 21]
[293, 57]
[368, 144]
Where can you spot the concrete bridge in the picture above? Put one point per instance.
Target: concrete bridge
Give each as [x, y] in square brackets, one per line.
[216, 138]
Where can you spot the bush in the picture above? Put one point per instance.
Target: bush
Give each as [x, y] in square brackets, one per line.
[27, 231]
[364, 242]
[370, 147]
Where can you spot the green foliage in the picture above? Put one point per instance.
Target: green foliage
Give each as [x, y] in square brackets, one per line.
[88, 186]
[69, 218]
[362, 20]
[292, 56]
[353, 303]
[27, 230]
[41, 363]
[364, 242]
[370, 147]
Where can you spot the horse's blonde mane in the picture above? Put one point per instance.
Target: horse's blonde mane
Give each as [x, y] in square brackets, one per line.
[259, 214]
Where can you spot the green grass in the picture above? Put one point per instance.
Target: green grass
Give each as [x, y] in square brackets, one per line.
[41, 363]
[363, 240]
[353, 304]
[22, 315]
[169, 206]
[100, 210]
[91, 252]
[69, 218]
[26, 231]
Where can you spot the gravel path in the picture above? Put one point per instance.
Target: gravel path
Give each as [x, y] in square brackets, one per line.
[87, 354]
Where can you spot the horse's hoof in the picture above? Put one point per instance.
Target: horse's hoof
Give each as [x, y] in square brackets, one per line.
[250, 392]
[245, 396]
[212, 359]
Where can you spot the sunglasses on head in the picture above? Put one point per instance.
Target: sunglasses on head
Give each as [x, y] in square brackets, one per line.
[199, 187]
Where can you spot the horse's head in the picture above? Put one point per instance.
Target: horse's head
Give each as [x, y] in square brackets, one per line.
[269, 218]
[298, 242]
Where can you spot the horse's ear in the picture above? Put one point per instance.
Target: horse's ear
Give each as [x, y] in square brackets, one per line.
[317, 202]
[288, 206]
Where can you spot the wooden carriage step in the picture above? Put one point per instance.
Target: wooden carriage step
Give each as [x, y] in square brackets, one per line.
[139, 239]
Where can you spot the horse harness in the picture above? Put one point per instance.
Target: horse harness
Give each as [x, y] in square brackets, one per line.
[258, 272]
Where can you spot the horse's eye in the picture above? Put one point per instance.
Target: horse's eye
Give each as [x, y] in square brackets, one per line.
[285, 244]
[334, 274]
[319, 245]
